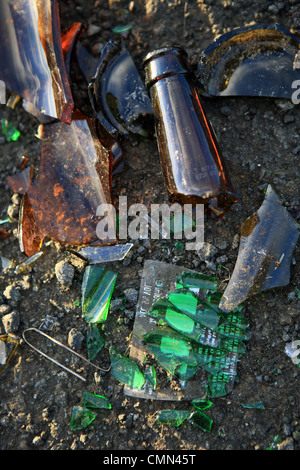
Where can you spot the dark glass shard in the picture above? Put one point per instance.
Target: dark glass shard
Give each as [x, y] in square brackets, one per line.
[88, 64]
[118, 95]
[91, 400]
[193, 166]
[69, 39]
[32, 58]
[94, 341]
[73, 180]
[256, 60]
[268, 239]
[201, 420]
[81, 418]
[172, 417]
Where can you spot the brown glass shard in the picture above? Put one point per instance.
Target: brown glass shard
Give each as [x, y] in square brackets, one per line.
[193, 166]
[256, 60]
[118, 95]
[268, 239]
[31, 56]
[74, 178]
[20, 182]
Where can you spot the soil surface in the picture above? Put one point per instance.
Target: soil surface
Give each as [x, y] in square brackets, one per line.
[260, 142]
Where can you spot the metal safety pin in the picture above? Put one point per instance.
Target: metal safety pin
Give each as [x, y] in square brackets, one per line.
[63, 346]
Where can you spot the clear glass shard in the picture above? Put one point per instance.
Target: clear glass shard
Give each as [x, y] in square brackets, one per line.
[97, 289]
[268, 239]
[125, 370]
[81, 418]
[105, 254]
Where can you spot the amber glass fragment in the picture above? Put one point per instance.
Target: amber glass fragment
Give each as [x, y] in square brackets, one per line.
[32, 58]
[192, 162]
[268, 239]
[73, 180]
[256, 60]
[118, 95]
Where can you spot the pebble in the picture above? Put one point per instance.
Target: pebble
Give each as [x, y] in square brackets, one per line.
[12, 294]
[93, 29]
[207, 251]
[75, 339]
[131, 295]
[11, 322]
[64, 273]
[4, 309]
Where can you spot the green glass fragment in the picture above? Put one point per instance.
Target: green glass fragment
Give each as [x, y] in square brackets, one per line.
[10, 133]
[94, 341]
[90, 400]
[150, 376]
[185, 371]
[258, 405]
[184, 300]
[81, 418]
[170, 349]
[178, 223]
[172, 417]
[193, 280]
[97, 289]
[274, 445]
[125, 370]
[203, 404]
[201, 420]
[121, 29]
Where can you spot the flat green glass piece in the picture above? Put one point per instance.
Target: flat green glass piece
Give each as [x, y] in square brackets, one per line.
[121, 29]
[90, 400]
[185, 371]
[150, 376]
[94, 341]
[125, 370]
[231, 331]
[97, 289]
[203, 404]
[184, 300]
[172, 417]
[170, 349]
[193, 280]
[81, 418]
[10, 133]
[257, 406]
[178, 223]
[201, 420]
[274, 445]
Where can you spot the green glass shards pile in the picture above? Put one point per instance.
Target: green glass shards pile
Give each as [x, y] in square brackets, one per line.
[192, 332]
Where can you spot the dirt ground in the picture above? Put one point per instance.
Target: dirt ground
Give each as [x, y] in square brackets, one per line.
[260, 142]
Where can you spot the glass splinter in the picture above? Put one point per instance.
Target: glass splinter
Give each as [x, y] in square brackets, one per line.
[8, 346]
[73, 180]
[257, 60]
[31, 56]
[97, 289]
[90, 400]
[10, 133]
[268, 239]
[172, 417]
[125, 370]
[118, 95]
[20, 182]
[105, 254]
[94, 341]
[201, 420]
[81, 418]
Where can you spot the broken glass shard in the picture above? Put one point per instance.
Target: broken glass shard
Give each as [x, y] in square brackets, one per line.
[203, 404]
[21, 181]
[125, 370]
[118, 95]
[5, 263]
[105, 254]
[87, 63]
[201, 420]
[91, 400]
[28, 262]
[97, 289]
[73, 180]
[268, 239]
[170, 349]
[32, 58]
[9, 131]
[69, 39]
[8, 346]
[150, 375]
[256, 60]
[94, 341]
[81, 418]
[172, 417]
[257, 405]
[193, 280]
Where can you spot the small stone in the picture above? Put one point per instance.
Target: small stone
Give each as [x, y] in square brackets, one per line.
[129, 314]
[4, 309]
[12, 294]
[225, 111]
[288, 118]
[93, 29]
[64, 273]
[37, 441]
[11, 322]
[207, 251]
[115, 305]
[131, 295]
[13, 211]
[75, 339]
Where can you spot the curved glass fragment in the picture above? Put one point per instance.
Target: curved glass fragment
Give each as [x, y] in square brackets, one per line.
[268, 239]
[31, 56]
[118, 95]
[73, 180]
[257, 60]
